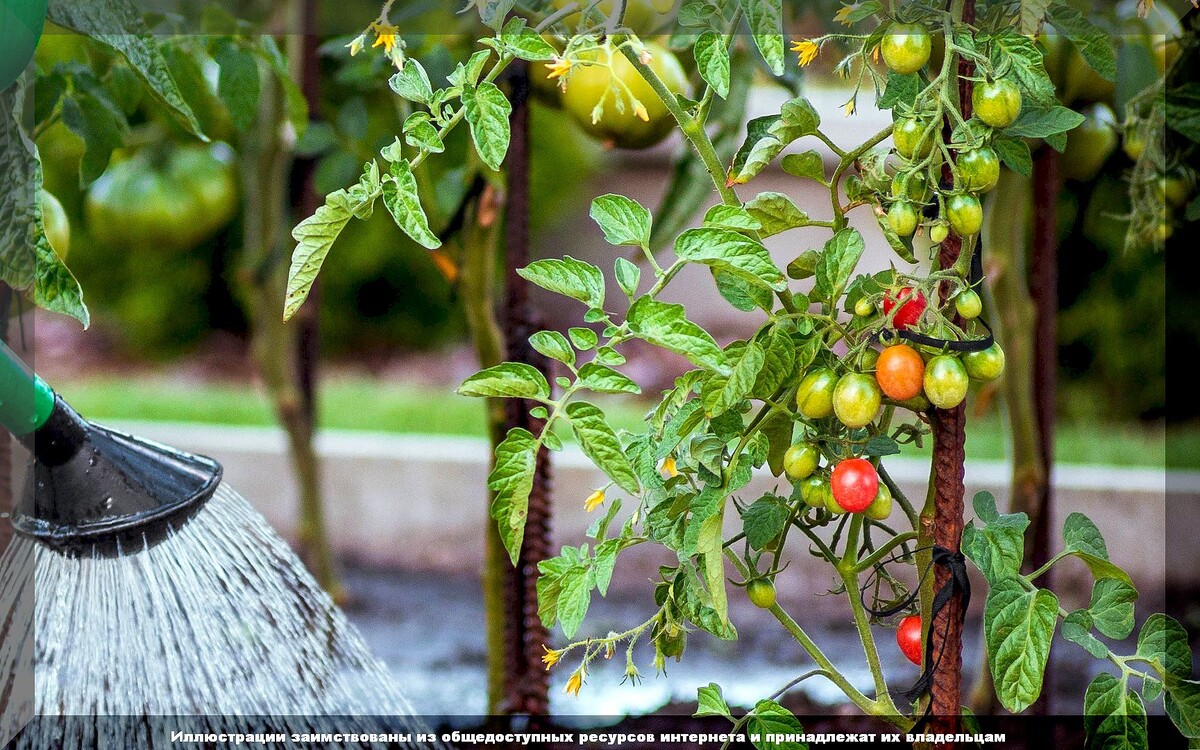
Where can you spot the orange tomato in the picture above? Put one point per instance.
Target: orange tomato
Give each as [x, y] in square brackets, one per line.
[900, 372]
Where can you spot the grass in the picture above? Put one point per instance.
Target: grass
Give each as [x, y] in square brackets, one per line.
[365, 404]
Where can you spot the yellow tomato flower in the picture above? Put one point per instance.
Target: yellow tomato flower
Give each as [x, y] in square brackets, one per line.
[559, 67]
[576, 682]
[668, 467]
[851, 106]
[639, 109]
[551, 657]
[807, 51]
[843, 15]
[385, 36]
[595, 500]
[357, 44]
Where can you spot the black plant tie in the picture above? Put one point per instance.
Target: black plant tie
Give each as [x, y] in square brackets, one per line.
[957, 582]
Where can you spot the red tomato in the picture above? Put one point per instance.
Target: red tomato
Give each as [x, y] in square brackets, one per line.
[855, 484]
[909, 312]
[908, 638]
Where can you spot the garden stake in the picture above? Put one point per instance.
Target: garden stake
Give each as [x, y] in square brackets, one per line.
[528, 683]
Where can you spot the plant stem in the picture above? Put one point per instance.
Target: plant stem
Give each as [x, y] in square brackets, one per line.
[882, 551]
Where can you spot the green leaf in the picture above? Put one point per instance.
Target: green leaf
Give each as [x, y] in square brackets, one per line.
[1114, 718]
[1112, 607]
[742, 294]
[568, 277]
[1019, 626]
[712, 60]
[1081, 535]
[412, 82]
[419, 132]
[624, 220]
[775, 213]
[1094, 45]
[797, 118]
[1183, 706]
[838, 261]
[506, 380]
[602, 379]
[1020, 53]
[881, 445]
[1015, 154]
[710, 702]
[1046, 122]
[771, 718]
[404, 204]
[605, 563]
[1031, 15]
[553, 345]
[487, 113]
[91, 114]
[511, 481]
[777, 428]
[628, 275]
[764, 520]
[520, 41]
[765, 19]
[732, 252]
[601, 444]
[779, 363]
[118, 24]
[665, 325]
[493, 12]
[1163, 641]
[900, 89]
[709, 547]
[238, 83]
[997, 548]
[726, 393]
[1077, 628]
[757, 151]
[809, 165]
[1151, 688]
[583, 338]
[574, 597]
[805, 266]
[731, 217]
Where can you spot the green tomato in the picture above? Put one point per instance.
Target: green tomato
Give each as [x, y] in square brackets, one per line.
[814, 490]
[903, 218]
[761, 592]
[997, 103]
[1134, 143]
[868, 359]
[800, 460]
[906, 47]
[881, 507]
[1176, 189]
[864, 308]
[912, 142]
[831, 505]
[965, 214]
[610, 78]
[912, 186]
[979, 169]
[814, 397]
[58, 227]
[939, 232]
[986, 365]
[946, 381]
[968, 304]
[856, 399]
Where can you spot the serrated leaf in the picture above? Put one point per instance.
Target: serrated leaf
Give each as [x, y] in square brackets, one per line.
[765, 19]
[741, 294]
[1019, 627]
[764, 519]
[1114, 719]
[881, 445]
[732, 252]
[412, 82]
[731, 217]
[487, 113]
[797, 118]
[778, 429]
[1111, 607]
[712, 60]
[779, 363]
[728, 392]
[1163, 641]
[605, 563]
[709, 548]
[623, 220]
[900, 89]
[506, 380]
[238, 83]
[554, 345]
[404, 204]
[511, 481]
[665, 325]
[805, 266]
[568, 277]
[775, 213]
[600, 443]
[520, 41]
[710, 701]
[118, 24]
[1094, 45]
[771, 718]
[420, 133]
[1021, 55]
[1031, 15]
[758, 150]
[493, 12]
[1151, 689]
[1015, 154]
[1077, 628]
[583, 338]
[1081, 535]
[602, 379]
[837, 263]
[628, 275]
[92, 115]
[574, 598]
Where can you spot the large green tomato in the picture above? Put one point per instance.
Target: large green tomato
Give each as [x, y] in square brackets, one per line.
[903, 218]
[800, 460]
[605, 75]
[997, 103]
[965, 214]
[814, 397]
[163, 199]
[856, 399]
[906, 47]
[986, 365]
[643, 17]
[58, 227]
[979, 169]
[1090, 144]
[946, 381]
[911, 139]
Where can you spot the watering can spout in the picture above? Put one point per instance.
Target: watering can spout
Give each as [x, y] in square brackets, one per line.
[93, 490]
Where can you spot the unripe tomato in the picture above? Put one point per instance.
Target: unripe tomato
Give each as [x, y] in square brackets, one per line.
[911, 139]
[1176, 189]
[903, 218]
[979, 169]
[814, 397]
[864, 308]
[965, 214]
[900, 372]
[913, 186]
[868, 359]
[814, 491]
[968, 304]
[908, 638]
[946, 381]
[611, 76]
[800, 460]
[997, 103]
[986, 365]
[906, 47]
[880, 508]
[939, 232]
[58, 227]
[643, 17]
[761, 592]
[1090, 144]
[910, 312]
[856, 399]
[1134, 143]
[854, 484]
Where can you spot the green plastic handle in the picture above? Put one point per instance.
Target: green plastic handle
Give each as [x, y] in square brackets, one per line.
[26, 402]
